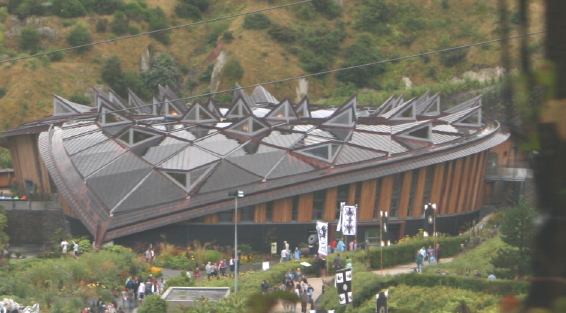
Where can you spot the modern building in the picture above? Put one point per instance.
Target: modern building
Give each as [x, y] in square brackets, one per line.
[127, 169]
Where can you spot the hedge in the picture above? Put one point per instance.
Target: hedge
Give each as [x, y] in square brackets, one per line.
[405, 252]
[500, 286]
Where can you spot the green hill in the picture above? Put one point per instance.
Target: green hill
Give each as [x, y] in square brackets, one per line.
[306, 38]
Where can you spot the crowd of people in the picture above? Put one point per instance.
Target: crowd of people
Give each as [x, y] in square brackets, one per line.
[430, 255]
[297, 283]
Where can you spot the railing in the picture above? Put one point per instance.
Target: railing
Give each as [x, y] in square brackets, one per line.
[9, 204]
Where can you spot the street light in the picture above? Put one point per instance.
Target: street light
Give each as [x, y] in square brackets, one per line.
[236, 194]
[430, 219]
[383, 228]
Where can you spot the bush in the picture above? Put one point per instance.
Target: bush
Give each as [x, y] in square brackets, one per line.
[186, 10]
[79, 35]
[361, 52]
[182, 280]
[68, 8]
[202, 5]
[136, 11]
[101, 25]
[157, 20]
[106, 6]
[454, 57]
[500, 286]
[29, 40]
[256, 21]
[153, 304]
[233, 70]
[119, 23]
[55, 56]
[2, 94]
[320, 47]
[329, 8]
[163, 71]
[282, 33]
[26, 8]
[80, 98]
[374, 16]
[227, 37]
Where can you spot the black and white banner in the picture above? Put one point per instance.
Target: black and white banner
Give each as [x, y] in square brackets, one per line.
[349, 222]
[322, 230]
[344, 286]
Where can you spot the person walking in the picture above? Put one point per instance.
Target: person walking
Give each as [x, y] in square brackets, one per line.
[437, 253]
[419, 261]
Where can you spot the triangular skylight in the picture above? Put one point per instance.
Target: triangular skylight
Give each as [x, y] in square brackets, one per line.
[249, 127]
[61, 108]
[239, 109]
[407, 113]
[212, 108]
[198, 113]
[341, 119]
[282, 112]
[433, 107]
[422, 133]
[325, 152]
[169, 110]
[473, 119]
[108, 117]
[187, 180]
[302, 108]
[133, 136]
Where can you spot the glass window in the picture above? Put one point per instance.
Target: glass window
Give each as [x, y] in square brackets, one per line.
[413, 191]
[247, 214]
[377, 196]
[269, 211]
[396, 194]
[318, 205]
[225, 217]
[295, 209]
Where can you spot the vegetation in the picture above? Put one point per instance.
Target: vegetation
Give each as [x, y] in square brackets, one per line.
[5, 159]
[3, 225]
[233, 70]
[113, 75]
[164, 70]
[256, 21]
[78, 36]
[30, 40]
[361, 52]
[153, 304]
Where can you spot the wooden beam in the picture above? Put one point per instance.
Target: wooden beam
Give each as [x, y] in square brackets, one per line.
[306, 202]
[282, 210]
[460, 204]
[330, 204]
[385, 194]
[367, 201]
[405, 193]
[445, 194]
[418, 203]
[260, 213]
[455, 186]
[436, 193]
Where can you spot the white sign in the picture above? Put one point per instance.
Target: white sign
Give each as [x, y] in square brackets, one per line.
[322, 231]
[265, 266]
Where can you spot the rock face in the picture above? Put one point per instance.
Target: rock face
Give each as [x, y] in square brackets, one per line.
[407, 83]
[145, 60]
[482, 76]
[47, 32]
[302, 89]
[216, 70]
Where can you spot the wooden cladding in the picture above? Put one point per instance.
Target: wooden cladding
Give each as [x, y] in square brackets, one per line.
[27, 163]
[455, 186]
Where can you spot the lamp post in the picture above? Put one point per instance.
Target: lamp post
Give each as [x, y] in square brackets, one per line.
[382, 229]
[430, 218]
[236, 194]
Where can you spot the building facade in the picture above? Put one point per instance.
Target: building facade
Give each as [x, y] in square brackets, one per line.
[166, 168]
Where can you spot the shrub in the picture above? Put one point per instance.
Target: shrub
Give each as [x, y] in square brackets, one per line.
[233, 70]
[135, 10]
[27, 8]
[56, 55]
[119, 23]
[256, 21]
[182, 280]
[153, 304]
[163, 71]
[454, 57]
[29, 40]
[186, 10]
[282, 33]
[329, 8]
[320, 47]
[68, 8]
[101, 25]
[2, 94]
[113, 75]
[157, 20]
[500, 286]
[80, 98]
[227, 37]
[106, 6]
[202, 5]
[207, 73]
[79, 35]
[374, 16]
[361, 52]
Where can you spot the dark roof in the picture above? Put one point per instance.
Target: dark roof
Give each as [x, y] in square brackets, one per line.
[157, 166]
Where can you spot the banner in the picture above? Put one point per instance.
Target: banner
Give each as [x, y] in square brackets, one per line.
[344, 286]
[339, 225]
[322, 231]
[349, 222]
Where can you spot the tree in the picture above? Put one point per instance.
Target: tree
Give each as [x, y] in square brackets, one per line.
[256, 21]
[153, 304]
[68, 8]
[163, 71]
[113, 75]
[119, 24]
[157, 20]
[78, 36]
[29, 40]
[3, 224]
[517, 228]
[361, 52]
[233, 70]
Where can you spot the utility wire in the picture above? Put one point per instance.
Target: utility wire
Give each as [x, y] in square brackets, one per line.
[340, 69]
[106, 41]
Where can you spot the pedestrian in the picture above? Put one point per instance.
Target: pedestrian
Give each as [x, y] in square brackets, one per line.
[283, 255]
[333, 245]
[337, 263]
[310, 294]
[302, 293]
[321, 262]
[340, 246]
[141, 291]
[297, 253]
[351, 246]
[430, 255]
[437, 253]
[222, 267]
[298, 276]
[75, 249]
[64, 246]
[419, 261]
[264, 286]
[208, 270]
[147, 255]
[232, 265]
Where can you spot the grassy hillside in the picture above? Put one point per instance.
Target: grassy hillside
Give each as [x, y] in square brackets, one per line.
[285, 42]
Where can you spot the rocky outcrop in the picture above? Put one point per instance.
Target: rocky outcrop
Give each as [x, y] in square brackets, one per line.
[9, 305]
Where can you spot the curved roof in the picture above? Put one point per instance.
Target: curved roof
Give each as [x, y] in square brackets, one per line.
[128, 168]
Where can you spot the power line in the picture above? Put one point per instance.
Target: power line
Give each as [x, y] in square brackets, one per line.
[106, 41]
[340, 69]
